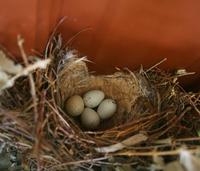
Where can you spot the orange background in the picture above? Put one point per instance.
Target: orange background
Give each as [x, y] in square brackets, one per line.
[123, 33]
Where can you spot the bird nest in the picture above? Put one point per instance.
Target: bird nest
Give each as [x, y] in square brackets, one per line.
[154, 116]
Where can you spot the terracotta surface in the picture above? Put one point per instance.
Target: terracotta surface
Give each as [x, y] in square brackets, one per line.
[122, 33]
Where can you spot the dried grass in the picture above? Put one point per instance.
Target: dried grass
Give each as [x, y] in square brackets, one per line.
[151, 104]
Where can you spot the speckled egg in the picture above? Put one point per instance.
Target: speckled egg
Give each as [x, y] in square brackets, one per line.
[93, 98]
[107, 108]
[90, 119]
[74, 106]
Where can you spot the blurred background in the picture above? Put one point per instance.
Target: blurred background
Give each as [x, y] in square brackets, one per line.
[114, 33]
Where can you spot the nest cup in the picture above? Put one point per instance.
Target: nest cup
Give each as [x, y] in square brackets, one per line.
[75, 79]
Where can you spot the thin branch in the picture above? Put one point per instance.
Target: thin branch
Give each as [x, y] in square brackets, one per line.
[33, 93]
[31, 80]
[157, 153]
[156, 65]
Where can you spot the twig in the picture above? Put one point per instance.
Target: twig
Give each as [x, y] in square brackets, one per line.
[77, 162]
[156, 65]
[52, 35]
[17, 132]
[39, 64]
[74, 36]
[188, 139]
[31, 80]
[33, 93]
[153, 153]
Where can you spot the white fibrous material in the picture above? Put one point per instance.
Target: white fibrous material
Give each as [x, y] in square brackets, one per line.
[9, 71]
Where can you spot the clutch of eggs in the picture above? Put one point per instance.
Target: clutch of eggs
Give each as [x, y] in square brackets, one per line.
[85, 108]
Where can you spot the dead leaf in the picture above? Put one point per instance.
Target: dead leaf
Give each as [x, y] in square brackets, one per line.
[175, 166]
[8, 65]
[3, 79]
[189, 161]
[135, 139]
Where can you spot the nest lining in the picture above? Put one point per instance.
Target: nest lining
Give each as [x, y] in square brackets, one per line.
[124, 88]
